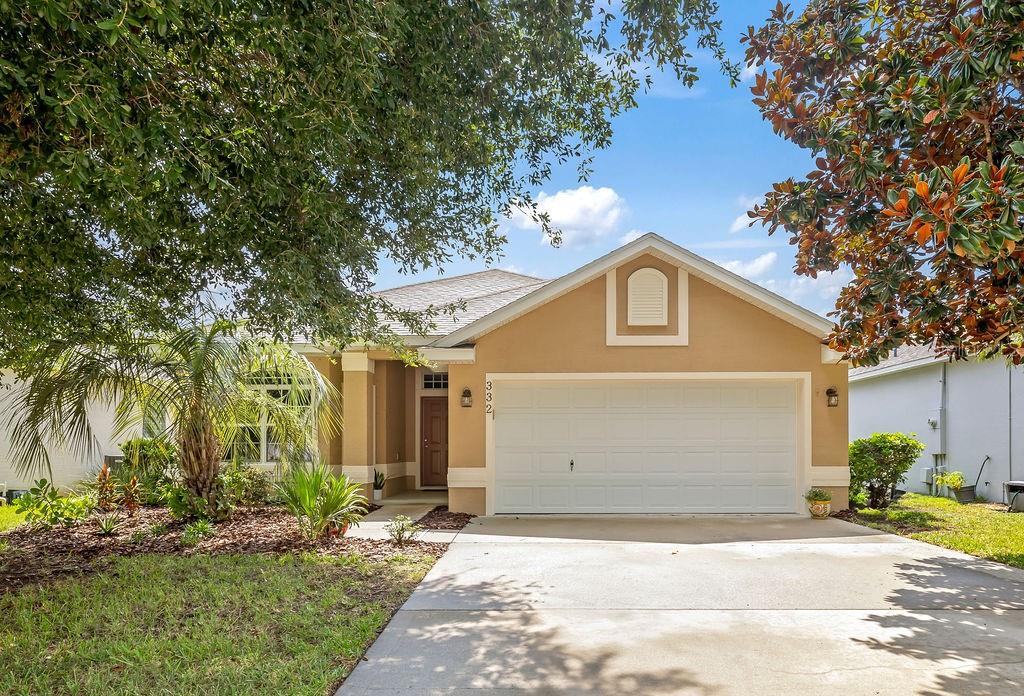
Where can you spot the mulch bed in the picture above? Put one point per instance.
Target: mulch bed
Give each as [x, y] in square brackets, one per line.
[30, 555]
[442, 518]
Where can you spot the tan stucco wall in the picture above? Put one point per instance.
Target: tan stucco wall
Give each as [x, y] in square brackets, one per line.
[329, 446]
[471, 500]
[726, 334]
[389, 379]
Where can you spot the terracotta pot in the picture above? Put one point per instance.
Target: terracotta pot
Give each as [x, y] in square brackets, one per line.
[820, 509]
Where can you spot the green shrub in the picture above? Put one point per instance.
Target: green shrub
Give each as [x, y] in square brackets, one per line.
[402, 529]
[379, 479]
[246, 485]
[879, 462]
[148, 457]
[44, 506]
[184, 506]
[107, 524]
[817, 494]
[321, 502]
[953, 480]
[196, 532]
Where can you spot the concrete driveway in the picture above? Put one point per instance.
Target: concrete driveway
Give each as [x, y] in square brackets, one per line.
[676, 605]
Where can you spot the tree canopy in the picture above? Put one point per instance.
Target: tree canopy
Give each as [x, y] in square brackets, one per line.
[272, 154]
[913, 110]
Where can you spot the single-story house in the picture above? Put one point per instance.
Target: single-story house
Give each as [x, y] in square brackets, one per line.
[648, 381]
[963, 412]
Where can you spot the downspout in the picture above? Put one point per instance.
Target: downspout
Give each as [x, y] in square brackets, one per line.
[1009, 418]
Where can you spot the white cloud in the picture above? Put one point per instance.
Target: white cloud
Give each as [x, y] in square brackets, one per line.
[765, 243]
[748, 72]
[752, 269]
[584, 215]
[741, 222]
[818, 294]
[632, 235]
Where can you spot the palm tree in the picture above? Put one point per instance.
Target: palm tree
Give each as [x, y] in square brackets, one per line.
[209, 381]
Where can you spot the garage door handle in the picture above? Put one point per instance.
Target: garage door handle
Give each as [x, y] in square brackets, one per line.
[571, 465]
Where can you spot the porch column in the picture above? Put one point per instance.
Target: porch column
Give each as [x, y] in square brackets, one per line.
[357, 442]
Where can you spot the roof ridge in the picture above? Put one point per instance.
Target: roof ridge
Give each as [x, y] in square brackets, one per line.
[454, 277]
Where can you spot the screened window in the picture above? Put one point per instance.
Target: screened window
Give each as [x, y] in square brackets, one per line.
[258, 443]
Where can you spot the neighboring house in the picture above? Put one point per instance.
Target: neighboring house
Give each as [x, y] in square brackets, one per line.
[963, 412]
[647, 381]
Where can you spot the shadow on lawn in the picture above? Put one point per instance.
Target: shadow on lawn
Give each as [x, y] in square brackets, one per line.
[964, 617]
[506, 651]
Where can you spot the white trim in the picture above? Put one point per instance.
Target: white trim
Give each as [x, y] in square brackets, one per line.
[467, 477]
[449, 356]
[802, 380]
[910, 365]
[830, 476]
[611, 322]
[352, 361]
[831, 357]
[631, 311]
[650, 243]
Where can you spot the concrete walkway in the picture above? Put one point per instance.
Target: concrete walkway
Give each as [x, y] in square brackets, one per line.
[676, 605]
[412, 504]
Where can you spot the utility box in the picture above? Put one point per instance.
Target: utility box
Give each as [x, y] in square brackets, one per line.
[1013, 493]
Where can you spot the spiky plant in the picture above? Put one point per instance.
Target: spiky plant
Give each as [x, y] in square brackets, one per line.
[206, 379]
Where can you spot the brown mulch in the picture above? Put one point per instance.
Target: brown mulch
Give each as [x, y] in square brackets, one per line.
[29, 555]
[442, 518]
[848, 515]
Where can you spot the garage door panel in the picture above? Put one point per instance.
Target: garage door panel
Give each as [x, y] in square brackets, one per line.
[699, 447]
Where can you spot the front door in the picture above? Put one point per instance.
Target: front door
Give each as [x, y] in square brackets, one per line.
[434, 447]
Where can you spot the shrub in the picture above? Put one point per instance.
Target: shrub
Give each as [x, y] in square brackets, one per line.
[107, 524]
[106, 490]
[321, 502]
[379, 479]
[196, 532]
[817, 494]
[183, 505]
[402, 529]
[953, 480]
[44, 506]
[148, 457]
[246, 485]
[879, 462]
[131, 496]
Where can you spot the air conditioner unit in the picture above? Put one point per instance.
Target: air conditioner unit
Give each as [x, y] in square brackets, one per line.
[928, 475]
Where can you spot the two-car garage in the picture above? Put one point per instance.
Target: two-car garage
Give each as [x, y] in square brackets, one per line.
[678, 443]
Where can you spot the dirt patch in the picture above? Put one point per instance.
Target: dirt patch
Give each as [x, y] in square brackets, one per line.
[442, 518]
[30, 555]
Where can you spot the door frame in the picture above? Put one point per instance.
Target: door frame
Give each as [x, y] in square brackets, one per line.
[418, 393]
[803, 410]
[420, 444]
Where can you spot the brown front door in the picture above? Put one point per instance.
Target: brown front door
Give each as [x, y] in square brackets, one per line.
[434, 448]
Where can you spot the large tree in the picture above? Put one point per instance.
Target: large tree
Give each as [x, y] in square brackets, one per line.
[914, 111]
[272, 154]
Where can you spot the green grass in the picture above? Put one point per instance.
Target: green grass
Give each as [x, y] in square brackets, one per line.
[978, 529]
[246, 624]
[9, 517]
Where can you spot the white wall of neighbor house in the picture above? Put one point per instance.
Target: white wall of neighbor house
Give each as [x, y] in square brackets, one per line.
[984, 415]
[68, 466]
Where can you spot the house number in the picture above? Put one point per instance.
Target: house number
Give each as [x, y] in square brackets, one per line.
[488, 396]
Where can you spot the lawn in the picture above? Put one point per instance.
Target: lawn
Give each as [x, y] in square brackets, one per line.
[978, 529]
[9, 517]
[292, 623]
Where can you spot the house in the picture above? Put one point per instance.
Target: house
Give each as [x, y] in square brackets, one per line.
[647, 381]
[963, 412]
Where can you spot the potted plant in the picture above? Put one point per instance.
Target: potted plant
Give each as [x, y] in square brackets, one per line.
[953, 482]
[819, 502]
[378, 484]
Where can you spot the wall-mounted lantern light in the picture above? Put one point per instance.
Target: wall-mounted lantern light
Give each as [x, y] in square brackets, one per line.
[467, 398]
[833, 397]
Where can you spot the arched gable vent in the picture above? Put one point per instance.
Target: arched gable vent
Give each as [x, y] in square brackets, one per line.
[647, 293]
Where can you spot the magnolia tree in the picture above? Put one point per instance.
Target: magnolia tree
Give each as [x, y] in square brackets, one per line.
[913, 109]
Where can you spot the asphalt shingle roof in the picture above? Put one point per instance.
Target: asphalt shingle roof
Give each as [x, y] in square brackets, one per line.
[900, 356]
[482, 292]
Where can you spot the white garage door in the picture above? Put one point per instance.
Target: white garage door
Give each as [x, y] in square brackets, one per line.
[680, 446]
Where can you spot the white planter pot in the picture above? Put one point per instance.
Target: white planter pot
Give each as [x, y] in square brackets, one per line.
[378, 493]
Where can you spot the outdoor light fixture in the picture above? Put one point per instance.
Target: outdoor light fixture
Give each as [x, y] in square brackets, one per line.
[467, 398]
[833, 397]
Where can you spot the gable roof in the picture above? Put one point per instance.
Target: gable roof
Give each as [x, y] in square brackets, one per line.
[649, 243]
[482, 292]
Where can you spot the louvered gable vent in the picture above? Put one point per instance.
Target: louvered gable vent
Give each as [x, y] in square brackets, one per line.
[647, 290]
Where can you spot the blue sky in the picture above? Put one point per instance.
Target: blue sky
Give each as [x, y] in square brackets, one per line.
[685, 164]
